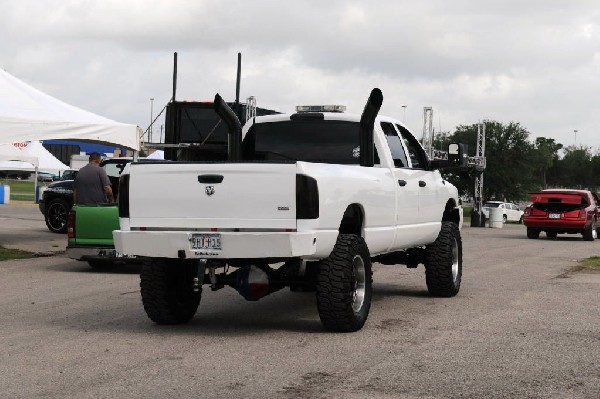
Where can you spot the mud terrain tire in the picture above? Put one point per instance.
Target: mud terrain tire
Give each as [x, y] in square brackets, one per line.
[167, 291]
[344, 285]
[443, 262]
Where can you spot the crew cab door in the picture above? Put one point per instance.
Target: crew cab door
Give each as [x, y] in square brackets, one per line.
[419, 199]
[432, 196]
[407, 189]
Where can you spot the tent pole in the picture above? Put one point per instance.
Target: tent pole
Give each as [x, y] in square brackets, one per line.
[35, 184]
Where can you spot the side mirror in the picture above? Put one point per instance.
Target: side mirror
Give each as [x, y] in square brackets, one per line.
[457, 158]
[457, 154]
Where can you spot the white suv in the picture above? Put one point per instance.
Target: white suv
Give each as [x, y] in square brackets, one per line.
[510, 212]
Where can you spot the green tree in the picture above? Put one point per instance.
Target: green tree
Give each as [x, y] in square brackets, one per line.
[547, 155]
[595, 173]
[573, 170]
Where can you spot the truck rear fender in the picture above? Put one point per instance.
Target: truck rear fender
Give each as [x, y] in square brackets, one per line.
[353, 220]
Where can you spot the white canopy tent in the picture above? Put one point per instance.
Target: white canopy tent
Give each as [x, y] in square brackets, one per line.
[47, 161]
[10, 153]
[158, 154]
[14, 159]
[27, 114]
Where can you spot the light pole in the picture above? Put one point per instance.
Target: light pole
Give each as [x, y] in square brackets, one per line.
[575, 131]
[404, 113]
[151, 118]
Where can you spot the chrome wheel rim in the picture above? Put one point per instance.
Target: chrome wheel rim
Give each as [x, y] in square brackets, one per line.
[454, 260]
[358, 283]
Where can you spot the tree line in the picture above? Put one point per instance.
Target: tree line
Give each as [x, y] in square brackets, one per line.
[516, 165]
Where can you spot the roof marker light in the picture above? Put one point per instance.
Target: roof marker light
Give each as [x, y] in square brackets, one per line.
[320, 108]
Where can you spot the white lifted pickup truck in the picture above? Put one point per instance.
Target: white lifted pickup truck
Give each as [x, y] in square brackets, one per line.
[305, 201]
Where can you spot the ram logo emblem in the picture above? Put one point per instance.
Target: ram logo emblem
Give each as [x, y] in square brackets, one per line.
[210, 190]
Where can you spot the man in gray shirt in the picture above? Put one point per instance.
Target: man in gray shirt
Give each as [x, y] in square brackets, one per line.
[92, 186]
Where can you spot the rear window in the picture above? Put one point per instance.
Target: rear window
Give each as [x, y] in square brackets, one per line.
[304, 140]
[114, 169]
[491, 205]
[201, 125]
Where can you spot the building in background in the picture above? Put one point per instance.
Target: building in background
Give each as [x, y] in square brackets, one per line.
[65, 149]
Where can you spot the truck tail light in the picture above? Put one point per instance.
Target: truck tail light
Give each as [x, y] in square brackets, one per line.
[71, 225]
[123, 200]
[582, 214]
[307, 197]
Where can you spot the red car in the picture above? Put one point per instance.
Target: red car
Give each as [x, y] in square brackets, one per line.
[562, 212]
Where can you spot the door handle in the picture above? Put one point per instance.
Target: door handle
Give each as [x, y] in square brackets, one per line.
[422, 183]
[210, 179]
[402, 183]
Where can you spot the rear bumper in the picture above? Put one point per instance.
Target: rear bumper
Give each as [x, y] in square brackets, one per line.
[86, 253]
[557, 224]
[234, 245]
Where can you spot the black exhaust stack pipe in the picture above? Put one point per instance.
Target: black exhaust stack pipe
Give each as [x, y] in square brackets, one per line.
[174, 76]
[238, 106]
[234, 128]
[367, 120]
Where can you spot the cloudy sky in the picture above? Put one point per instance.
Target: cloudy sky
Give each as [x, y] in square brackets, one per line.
[536, 62]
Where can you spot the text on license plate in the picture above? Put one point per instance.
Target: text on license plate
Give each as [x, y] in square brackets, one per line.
[554, 216]
[205, 241]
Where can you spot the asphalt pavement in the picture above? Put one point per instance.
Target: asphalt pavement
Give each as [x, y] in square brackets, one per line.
[526, 324]
[22, 227]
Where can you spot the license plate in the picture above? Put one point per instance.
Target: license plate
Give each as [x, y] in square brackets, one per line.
[554, 216]
[205, 241]
[108, 253]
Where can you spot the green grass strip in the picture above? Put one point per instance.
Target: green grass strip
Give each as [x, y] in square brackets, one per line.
[8, 254]
[591, 263]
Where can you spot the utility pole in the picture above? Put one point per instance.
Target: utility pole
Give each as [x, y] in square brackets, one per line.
[404, 114]
[151, 118]
[575, 131]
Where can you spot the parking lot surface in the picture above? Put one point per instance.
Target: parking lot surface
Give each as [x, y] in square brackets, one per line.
[526, 324]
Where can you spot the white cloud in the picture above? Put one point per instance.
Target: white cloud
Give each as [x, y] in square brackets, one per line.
[533, 62]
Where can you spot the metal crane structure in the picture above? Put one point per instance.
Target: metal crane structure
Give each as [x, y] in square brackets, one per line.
[250, 108]
[427, 139]
[477, 218]
[476, 162]
[429, 135]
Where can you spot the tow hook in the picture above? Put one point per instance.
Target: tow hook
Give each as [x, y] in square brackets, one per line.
[199, 279]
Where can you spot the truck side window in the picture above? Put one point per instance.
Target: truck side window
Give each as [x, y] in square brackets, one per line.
[396, 147]
[418, 158]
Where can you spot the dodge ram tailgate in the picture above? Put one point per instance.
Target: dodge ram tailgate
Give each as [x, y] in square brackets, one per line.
[213, 195]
